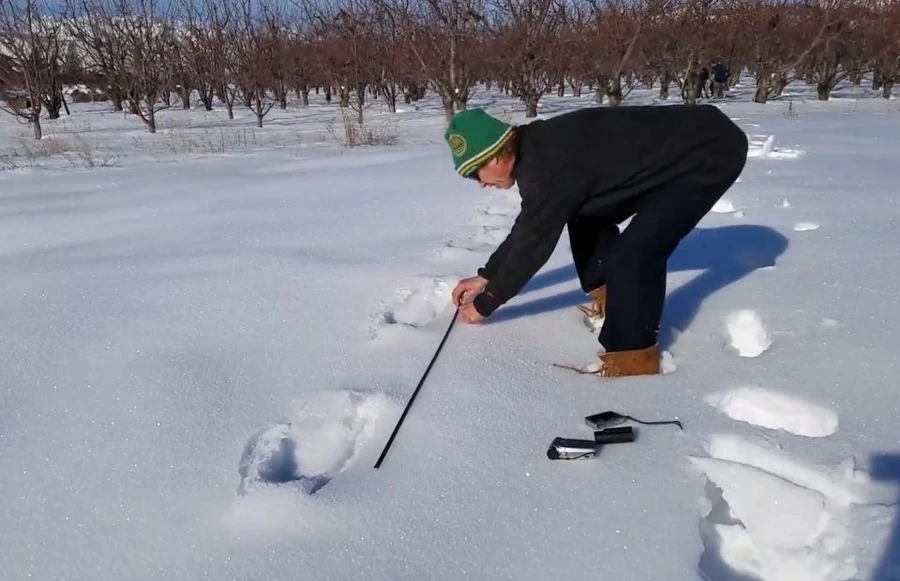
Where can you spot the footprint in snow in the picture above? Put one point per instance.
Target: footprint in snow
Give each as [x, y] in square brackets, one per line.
[769, 517]
[414, 305]
[805, 226]
[747, 335]
[776, 411]
[320, 439]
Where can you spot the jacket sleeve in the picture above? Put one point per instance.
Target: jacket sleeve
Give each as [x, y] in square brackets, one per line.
[530, 244]
[497, 258]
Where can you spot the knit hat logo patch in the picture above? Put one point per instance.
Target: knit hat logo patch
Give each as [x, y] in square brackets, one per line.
[457, 144]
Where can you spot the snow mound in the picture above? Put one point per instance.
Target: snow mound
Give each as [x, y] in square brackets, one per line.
[667, 363]
[805, 226]
[747, 333]
[776, 411]
[723, 206]
[766, 149]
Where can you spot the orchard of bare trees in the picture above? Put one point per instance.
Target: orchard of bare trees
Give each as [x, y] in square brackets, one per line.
[146, 55]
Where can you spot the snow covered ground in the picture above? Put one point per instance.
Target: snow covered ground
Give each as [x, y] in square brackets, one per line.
[173, 302]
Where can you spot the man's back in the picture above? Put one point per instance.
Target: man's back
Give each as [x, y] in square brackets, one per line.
[610, 155]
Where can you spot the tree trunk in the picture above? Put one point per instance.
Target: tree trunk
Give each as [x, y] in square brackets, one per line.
[876, 79]
[615, 91]
[762, 90]
[780, 84]
[664, 88]
[151, 120]
[360, 102]
[447, 101]
[53, 105]
[36, 124]
[531, 103]
[689, 91]
[823, 89]
[390, 97]
[887, 88]
[206, 99]
[186, 98]
[600, 93]
[576, 88]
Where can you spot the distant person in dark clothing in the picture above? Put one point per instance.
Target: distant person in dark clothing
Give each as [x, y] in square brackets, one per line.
[719, 79]
[590, 170]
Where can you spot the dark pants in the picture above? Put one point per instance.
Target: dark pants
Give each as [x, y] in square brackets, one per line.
[632, 264]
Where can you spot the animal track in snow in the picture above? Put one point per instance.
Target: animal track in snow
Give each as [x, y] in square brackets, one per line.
[416, 304]
[766, 149]
[769, 517]
[775, 410]
[321, 437]
[805, 226]
[747, 334]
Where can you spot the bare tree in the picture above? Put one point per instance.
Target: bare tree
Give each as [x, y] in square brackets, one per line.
[391, 63]
[130, 43]
[258, 46]
[527, 43]
[780, 34]
[616, 26]
[883, 21]
[30, 37]
[446, 37]
[830, 60]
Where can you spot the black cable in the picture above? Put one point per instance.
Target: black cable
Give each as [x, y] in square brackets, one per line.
[418, 387]
[676, 422]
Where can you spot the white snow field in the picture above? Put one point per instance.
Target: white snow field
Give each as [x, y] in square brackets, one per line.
[208, 334]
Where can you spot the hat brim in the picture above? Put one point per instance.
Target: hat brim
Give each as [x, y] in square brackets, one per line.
[473, 164]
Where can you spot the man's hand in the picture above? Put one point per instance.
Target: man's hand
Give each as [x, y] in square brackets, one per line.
[467, 289]
[468, 314]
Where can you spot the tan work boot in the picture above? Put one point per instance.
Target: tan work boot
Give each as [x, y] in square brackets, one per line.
[598, 307]
[627, 363]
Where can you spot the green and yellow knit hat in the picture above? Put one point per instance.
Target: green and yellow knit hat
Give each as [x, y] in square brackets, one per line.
[474, 138]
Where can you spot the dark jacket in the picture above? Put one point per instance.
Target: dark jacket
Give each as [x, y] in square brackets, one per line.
[720, 73]
[600, 161]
